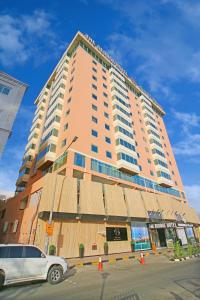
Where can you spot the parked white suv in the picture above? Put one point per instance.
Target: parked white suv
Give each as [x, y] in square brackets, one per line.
[19, 263]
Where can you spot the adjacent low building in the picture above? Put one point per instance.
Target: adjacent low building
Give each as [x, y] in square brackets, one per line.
[11, 94]
[98, 163]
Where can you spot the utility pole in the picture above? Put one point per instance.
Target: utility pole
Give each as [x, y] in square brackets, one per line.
[53, 200]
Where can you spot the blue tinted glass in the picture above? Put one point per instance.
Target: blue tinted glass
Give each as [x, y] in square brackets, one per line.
[79, 160]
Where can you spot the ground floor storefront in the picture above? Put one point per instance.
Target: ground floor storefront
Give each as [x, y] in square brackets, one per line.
[109, 237]
[96, 217]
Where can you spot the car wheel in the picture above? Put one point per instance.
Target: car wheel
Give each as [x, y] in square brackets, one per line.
[55, 275]
[2, 278]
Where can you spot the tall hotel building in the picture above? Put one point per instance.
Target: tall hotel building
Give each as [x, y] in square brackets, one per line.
[98, 163]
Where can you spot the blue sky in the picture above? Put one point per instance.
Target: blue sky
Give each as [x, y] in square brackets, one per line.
[157, 42]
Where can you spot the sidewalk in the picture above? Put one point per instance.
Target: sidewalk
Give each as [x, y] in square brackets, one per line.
[113, 258]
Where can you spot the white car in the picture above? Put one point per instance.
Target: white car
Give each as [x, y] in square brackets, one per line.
[19, 263]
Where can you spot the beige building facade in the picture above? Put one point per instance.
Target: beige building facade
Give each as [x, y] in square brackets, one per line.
[99, 160]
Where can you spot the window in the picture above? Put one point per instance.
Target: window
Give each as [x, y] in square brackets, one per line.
[4, 89]
[108, 154]
[104, 85]
[79, 160]
[67, 112]
[142, 129]
[95, 70]
[149, 161]
[144, 139]
[164, 175]
[173, 173]
[32, 252]
[176, 183]
[104, 78]
[127, 158]
[15, 252]
[107, 139]
[70, 89]
[95, 120]
[140, 167]
[106, 115]
[124, 131]
[94, 107]
[94, 96]
[69, 100]
[151, 173]
[64, 142]
[94, 148]
[105, 95]
[107, 127]
[93, 77]
[4, 251]
[125, 144]
[66, 126]
[94, 86]
[161, 163]
[94, 133]
[94, 62]
[23, 203]
[104, 70]
[170, 162]
[105, 104]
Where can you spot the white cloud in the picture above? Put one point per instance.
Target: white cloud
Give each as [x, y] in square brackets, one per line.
[189, 145]
[27, 36]
[157, 44]
[193, 193]
[188, 119]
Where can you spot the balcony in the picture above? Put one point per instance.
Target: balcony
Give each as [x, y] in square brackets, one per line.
[127, 167]
[157, 156]
[153, 145]
[23, 176]
[161, 168]
[35, 128]
[120, 148]
[51, 140]
[150, 127]
[152, 136]
[165, 182]
[46, 157]
[147, 108]
[27, 162]
[120, 135]
[117, 122]
[46, 160]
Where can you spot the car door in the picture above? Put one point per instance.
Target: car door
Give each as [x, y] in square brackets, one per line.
[13, 263]
[35, 262]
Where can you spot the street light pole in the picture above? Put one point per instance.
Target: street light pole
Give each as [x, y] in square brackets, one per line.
[53, 200]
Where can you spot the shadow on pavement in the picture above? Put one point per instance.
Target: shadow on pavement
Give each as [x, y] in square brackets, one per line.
[130, 295]
[29, 288]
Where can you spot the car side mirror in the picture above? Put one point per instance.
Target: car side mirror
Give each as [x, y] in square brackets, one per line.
[42, 255]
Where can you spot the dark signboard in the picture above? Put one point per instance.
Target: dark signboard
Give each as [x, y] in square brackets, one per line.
[116, 234]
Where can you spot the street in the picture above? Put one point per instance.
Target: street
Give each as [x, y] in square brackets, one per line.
[157, 279]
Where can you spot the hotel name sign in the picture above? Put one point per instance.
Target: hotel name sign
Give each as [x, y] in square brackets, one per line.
[169, 225]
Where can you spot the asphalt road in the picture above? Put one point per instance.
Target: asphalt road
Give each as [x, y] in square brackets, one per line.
[125, 280]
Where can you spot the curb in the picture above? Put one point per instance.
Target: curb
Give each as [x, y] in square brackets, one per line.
[110, 261]
[184, 258]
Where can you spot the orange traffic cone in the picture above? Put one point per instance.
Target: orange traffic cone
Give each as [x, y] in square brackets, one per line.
[100, 265]
[142, 258]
